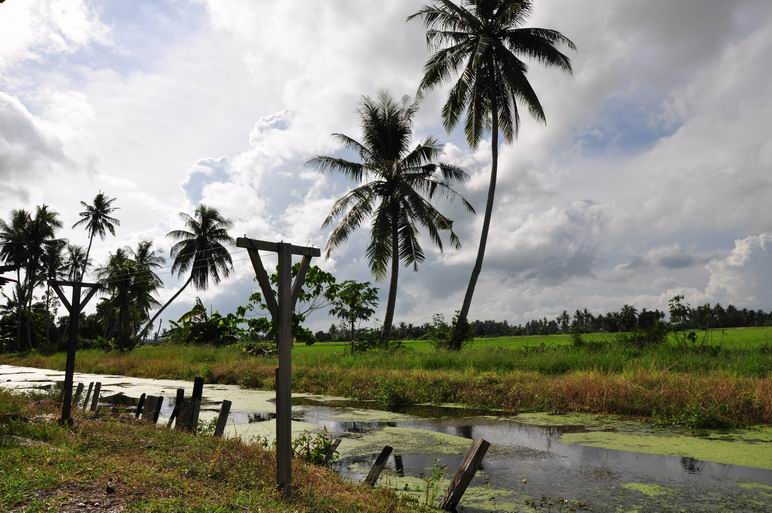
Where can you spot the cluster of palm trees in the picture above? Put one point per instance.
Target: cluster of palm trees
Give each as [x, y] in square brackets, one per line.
[483, 45]
[129, 281]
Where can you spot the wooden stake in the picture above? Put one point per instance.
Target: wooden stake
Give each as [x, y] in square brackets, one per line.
[179, 407]
[198, 394]
[78, 393]
[88, 396]
[95, 398]
[222, 418]
[140, 404]
[377, 467]
[331, 452]
[464, 474]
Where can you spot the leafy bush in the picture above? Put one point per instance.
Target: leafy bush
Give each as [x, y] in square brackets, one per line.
[258, 348]
[440, 333]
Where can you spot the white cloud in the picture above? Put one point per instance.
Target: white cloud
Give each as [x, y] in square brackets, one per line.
[744, 277]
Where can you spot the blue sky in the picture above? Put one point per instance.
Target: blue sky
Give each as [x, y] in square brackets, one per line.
[650, 178]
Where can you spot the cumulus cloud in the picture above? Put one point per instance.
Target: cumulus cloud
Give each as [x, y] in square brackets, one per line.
[744, 277]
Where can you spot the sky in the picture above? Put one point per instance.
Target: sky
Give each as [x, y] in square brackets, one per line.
[651, 177]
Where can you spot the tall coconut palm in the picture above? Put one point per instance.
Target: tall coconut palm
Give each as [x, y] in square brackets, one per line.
[75, 261]
[98, 220]
[13, 251]
[396, 183]
[485, 43]
[146, 281]
[200, 249]
[54, 267]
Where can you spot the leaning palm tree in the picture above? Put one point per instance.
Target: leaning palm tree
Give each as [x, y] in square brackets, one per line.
[200, 249]
[98, 220]
[485, 44]
[397, 183]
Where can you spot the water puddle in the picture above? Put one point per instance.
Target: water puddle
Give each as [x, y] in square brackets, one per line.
[536, 462]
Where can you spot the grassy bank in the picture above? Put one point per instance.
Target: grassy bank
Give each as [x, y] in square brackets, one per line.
[727, 382]
[45, 467]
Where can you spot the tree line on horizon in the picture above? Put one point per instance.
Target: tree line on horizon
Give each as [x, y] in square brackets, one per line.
[480, 46]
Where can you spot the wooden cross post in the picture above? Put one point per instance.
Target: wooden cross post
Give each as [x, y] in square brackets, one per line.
[281, 308]
[74, 308]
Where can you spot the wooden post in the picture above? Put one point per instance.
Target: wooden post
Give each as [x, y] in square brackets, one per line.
[380, 462]
[399, 465]
[222, 418]
[88, 395]
[74, 307]
[464, 474]
[140, 404]
[281, 308]
[179, 406]
[78, 393]
[198, 394]
[331, 452]
[157, 411]
[152, 408]
[95, 398]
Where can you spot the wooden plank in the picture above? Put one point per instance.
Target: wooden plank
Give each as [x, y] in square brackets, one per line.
[297, 285]
[222, 418]
[140, 404]
[95, 398]
[67, 283]
[264, 282]
[464, 474]
[262, 245]
[331, 452]
[78, 393]
[88, 395]
[149, 407]
[377, 468]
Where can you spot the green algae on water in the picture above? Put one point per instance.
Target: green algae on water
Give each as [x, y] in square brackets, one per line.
[748, 448]
[408, 440]
[648, 489]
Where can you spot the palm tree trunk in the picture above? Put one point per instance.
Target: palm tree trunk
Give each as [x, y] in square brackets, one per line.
[392, 300]
[19, 308]
[461, 321]
[152, 320]
[88, 251]
[352, 335]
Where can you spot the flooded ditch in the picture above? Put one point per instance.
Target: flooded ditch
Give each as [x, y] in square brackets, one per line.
[537, 462]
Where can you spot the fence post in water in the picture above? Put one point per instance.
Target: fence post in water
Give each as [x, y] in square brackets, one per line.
[331, 452]
[95, 399]
[399, 465]
[198, 393]
[78, 393]
[380, 462]
[88, 395]
[140, 404]
[157, 411]
[464, 474]
[179, 403]
[222, 418]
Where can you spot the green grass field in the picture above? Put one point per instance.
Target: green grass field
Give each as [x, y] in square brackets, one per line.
[726, 381]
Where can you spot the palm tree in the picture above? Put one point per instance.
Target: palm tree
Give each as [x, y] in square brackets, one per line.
[54, 267]
[75, 261]
[98, 221]
[146, 281]
[13, 251]
[201, 249]
[396, 184]
[485, 43]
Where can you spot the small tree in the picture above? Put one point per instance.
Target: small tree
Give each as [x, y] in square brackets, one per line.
[354, 301]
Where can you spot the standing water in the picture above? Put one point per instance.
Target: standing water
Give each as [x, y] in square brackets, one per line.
[536, 462]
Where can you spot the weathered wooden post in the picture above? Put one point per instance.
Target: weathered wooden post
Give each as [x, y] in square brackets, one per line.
[188, 416]
[140, 404]
[399, 465]
[380, 462]
[464, 474]
[281, 308]
[88, 395]
[179, 403]
[78, 393]
[222, 418]
[95, 398]
[74, 308]
[331, 452]
[152, 408]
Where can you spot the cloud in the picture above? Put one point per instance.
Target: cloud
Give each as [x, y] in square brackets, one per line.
[743, 278]
[203, 173]
[36, 29]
